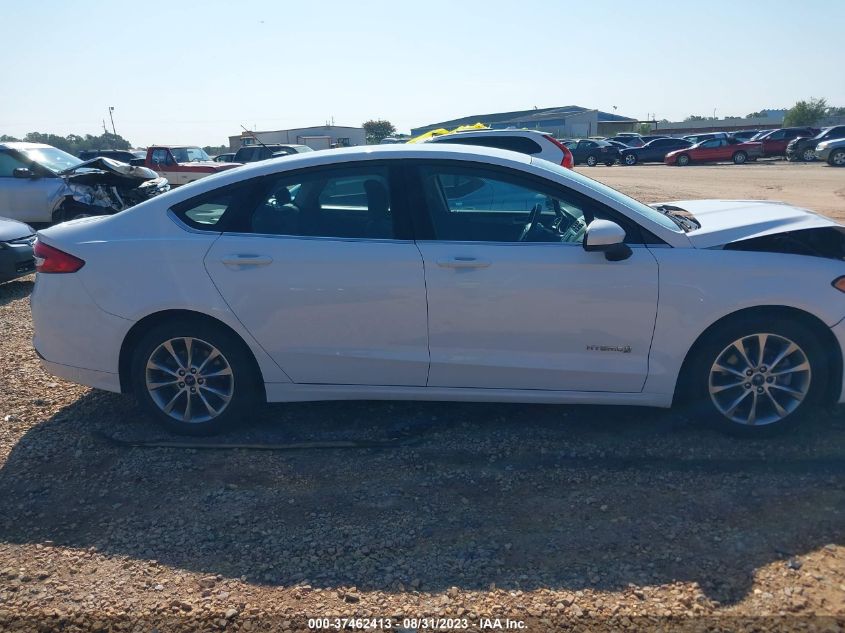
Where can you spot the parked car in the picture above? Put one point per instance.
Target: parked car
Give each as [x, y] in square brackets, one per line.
[804, 148]
[590, 152]
[630, 139]
[715, 150]
[224, 158]
[253, 153]
[775, 141]
[652, 152]
[744, 135]
[704, 136]
[651, 137]
[40, 183]
[832, 151]
[123, 156]
[16, 256]
[529, 142]
[182, 164]
[576, 293]
[616, 144]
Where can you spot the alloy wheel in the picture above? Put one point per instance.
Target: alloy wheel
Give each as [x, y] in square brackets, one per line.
[838, 158]
[809, 155]
[591, 161]
[189, 379]
[630, 159]
[683, 160]
[759, 379]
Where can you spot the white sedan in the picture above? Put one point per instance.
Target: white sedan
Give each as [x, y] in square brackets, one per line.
[442, 272]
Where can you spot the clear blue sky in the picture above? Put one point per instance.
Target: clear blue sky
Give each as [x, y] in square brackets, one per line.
[192, 72]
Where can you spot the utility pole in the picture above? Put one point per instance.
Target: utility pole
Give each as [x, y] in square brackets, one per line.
[111, 109]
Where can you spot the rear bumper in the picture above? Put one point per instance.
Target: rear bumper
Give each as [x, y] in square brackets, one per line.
[75, 339]
[88, 377]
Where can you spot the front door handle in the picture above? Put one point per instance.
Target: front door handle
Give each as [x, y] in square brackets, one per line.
[463, 262]
[247, 260]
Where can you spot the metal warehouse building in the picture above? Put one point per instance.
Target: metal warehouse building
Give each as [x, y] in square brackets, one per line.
[317, 137]
[562, 122]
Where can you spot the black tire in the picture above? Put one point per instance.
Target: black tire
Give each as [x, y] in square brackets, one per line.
[591, 160]
[837, 158]
[739, 158]
[808, 155]
[245, 379]
[718, 346]
[682, 160]
[630, 159]
[608, 163]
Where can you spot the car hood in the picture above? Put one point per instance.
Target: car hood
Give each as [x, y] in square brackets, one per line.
[13, 230]
[135, 172]
[725, 221]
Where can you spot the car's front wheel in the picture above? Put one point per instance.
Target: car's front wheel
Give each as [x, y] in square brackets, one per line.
[682, 160]
[755, 377]
[809, 155]
[739, 158]
[592, 160]
[193, 377]
[630, 159]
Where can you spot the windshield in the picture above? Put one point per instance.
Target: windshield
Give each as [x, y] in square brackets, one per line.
[53, 159]
[654, 215]
[189, 154]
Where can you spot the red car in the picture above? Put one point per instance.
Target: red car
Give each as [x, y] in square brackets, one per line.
[775, 142]
[715, 150]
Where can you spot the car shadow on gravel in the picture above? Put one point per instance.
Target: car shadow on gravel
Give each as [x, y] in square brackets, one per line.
[470, 495]
[17, 289]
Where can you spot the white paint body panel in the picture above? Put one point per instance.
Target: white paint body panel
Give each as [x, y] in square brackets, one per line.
[535, 314]
[329, 310]
[359, 313]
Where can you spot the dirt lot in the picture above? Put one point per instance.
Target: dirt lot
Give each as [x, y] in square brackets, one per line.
[561, 517]
[815, 186]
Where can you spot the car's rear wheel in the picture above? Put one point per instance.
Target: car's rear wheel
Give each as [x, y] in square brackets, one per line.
[837, 158]
[809, 155]
[682, 160]
[630, 159]
[739, 158]
[755, 377]
[592, 160]
[193, 377]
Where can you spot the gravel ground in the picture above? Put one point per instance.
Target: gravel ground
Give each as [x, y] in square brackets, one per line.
[562, 518]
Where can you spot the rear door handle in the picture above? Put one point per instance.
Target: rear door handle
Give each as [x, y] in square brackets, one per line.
[247, 260]
[463, 262]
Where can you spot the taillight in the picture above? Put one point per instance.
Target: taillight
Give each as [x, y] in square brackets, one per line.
[52, 260]
[567, 161]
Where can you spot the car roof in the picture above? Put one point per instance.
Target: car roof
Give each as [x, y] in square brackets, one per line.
[24, 145]
[508, 132]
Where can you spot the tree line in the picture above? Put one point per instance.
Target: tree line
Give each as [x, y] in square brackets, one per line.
[73, 143]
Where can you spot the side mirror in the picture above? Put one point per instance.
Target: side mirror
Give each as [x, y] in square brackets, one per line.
[23, 172]
[606, 237]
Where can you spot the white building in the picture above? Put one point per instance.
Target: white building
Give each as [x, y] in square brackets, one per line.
[318, 137]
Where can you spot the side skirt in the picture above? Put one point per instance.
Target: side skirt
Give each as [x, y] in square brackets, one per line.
[287, 392]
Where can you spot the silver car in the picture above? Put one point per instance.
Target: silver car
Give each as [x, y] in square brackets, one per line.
[43, 184]
[832, 151]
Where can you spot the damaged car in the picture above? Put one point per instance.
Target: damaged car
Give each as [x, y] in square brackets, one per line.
[444, 272]
[43, 184]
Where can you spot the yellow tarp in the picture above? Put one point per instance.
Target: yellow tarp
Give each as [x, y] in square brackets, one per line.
[441, 131]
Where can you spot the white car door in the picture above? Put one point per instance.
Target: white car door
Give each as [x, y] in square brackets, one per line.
[516, 309]
[318, 271]
[27, 199]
